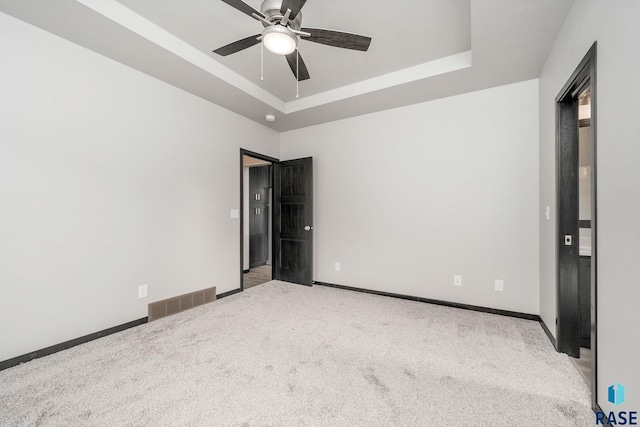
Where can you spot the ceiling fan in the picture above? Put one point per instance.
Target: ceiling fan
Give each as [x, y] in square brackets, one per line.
[282, 20]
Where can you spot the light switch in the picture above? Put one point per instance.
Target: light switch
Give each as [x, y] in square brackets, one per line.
[547, 213]
[235, 213]
[143, 291]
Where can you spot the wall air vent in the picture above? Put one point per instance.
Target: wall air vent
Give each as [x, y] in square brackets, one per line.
[169, 306]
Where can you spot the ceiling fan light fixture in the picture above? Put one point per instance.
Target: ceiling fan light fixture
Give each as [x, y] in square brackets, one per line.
[279, 40]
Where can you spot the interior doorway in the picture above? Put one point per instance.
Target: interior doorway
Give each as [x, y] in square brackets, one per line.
[257, 213]
[576, 324]
[276, 227]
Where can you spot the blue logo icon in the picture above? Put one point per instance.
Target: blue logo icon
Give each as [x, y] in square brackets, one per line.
[616, 394]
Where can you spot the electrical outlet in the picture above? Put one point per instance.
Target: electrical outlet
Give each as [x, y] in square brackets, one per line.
[337, 266]
[143, 291]
[457, 280]
[499, 286]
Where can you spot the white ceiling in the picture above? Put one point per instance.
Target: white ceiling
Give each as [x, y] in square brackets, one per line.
[208, 24]
[421, 50]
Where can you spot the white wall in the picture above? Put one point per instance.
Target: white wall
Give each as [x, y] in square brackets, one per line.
[404, 199]
[109, 179]
[613, 24]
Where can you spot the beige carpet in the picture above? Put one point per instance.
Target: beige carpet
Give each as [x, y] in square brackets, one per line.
[283, 354]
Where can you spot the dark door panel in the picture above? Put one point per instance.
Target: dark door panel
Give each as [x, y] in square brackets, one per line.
[293, 221]
[568, 239]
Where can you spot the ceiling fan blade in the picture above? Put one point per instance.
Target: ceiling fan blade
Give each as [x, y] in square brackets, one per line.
[238, 45]
[295, 61]
[243, 7]
[294, 5]
[338, 39]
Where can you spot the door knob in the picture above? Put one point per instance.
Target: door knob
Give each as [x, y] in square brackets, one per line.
[308, 228]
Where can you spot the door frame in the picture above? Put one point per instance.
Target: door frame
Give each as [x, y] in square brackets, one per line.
[259, 156]
[567, 323]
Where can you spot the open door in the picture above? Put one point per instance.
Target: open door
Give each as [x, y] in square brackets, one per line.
[293, 221]
[568, 324]
[571, 279]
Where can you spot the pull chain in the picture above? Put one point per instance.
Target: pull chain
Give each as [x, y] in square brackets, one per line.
[262, 61]
[297, 73]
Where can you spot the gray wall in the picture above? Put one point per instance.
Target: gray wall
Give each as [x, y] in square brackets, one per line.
[109, 179]
[406, 198]
[614, 25]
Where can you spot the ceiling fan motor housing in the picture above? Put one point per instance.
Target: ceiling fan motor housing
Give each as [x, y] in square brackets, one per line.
[271, 10]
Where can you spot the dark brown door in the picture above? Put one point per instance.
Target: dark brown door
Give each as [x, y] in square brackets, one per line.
[293, 221]
[568, 332]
